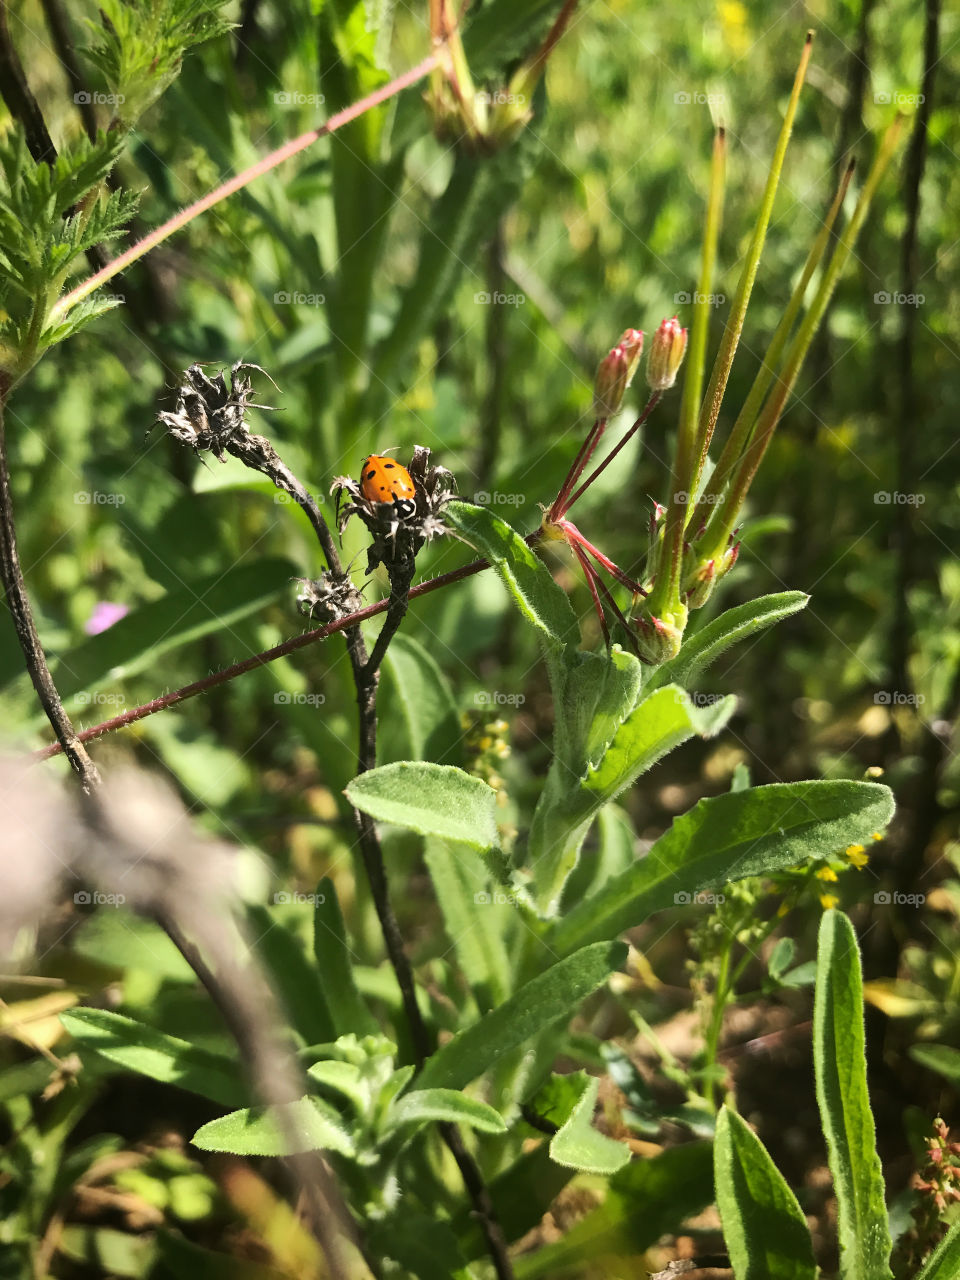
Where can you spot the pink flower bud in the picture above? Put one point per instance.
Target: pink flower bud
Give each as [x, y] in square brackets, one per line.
[666, 355]
[615, 373]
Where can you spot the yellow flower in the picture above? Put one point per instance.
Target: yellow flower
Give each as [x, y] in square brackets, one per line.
[877, 835]
[828, 901]
[826, 873]
[857, 856]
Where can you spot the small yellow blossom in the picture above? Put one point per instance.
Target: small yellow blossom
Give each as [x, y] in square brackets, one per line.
[826, 873]
[857, 855]
[828, 901]
[877, 835]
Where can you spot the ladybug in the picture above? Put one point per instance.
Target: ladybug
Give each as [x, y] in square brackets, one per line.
[383, 480]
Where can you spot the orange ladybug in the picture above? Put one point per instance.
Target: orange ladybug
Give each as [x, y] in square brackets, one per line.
[384, 480]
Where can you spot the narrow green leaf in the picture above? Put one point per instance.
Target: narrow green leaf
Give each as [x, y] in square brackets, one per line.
[334, 965]
[527, 579]
[578, 1145]
[444, 1105]
[729, 837]
[476, 922]
[434, 799]
[944, 1262]
[763, 1225]
[551, 995]
[417, 714]
[709, 642]
[564, 812]
[260, 1131]
[645, 1200]
[137, 1047]
[941, 1058]
[285, 951]
[841, 1073]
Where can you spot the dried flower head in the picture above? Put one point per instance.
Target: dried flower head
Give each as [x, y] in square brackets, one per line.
[208, 415]
[328, 598]
[399, 528]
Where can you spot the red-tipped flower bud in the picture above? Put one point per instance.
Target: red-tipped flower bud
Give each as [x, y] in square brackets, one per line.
[615, 373]
[666, 355]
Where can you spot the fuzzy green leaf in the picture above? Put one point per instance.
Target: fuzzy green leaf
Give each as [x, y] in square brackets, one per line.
[433, 799]
[138, 1047]
[841, 1074]
[444, 1105]
[548, 997]
[578, 1145]
[763, 1225]
[729, 837]
[262, 1131]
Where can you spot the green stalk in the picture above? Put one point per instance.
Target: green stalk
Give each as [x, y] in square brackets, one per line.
[710, 409]
[723, 520]
[739, 437]
[664, 600]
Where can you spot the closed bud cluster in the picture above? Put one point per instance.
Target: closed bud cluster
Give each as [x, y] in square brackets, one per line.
[615, 373]
[667, 350]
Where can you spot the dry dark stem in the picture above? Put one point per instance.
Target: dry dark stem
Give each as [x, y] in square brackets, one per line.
[256, 452]
[19, 603]
[21, 103]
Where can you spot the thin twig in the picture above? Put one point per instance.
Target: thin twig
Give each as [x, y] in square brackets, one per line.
[19, 603]
[20, 101]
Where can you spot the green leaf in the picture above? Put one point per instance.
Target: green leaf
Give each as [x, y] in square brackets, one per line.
[444, 1105]
[526, 577]
[476, 923]
[433, 799]
[578, 1145]
[261, 1131]
[521, 1195]
[417, 715]
[707, 644]
[124, 940]
[725, 838]
[940, 1058]
[645, 1200]
[548, 997]
[297, 980]
[944, 1262]
[564, 813]
[763, 1225]
[841, 1073]
[333, 956]
[106, 1251]
[137, 1047]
